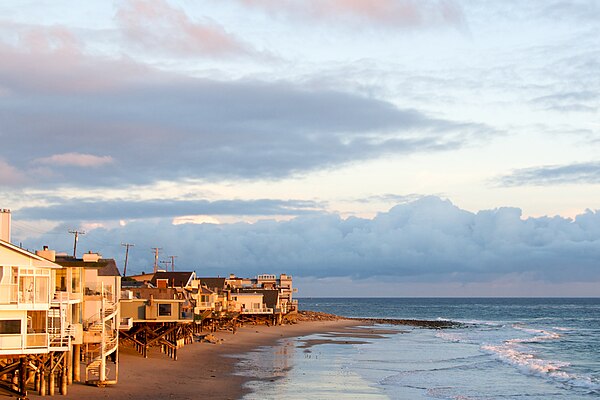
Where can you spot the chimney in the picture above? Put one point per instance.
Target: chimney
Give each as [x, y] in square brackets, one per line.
[47, 254]
[5, 225]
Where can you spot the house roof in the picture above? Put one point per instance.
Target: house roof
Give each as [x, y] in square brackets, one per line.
[155, 293]
[213, 283]
[105, 266]
[110, 267]
[132, 284]
[40, 261]
[180, 279]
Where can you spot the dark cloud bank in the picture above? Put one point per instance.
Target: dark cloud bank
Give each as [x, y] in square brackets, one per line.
[428, 240]
[69, 117]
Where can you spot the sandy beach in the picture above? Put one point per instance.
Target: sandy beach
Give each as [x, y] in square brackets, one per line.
[203, 370]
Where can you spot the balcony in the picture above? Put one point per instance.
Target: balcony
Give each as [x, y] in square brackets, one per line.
[205, 305]
[27, 343]
[37, 340]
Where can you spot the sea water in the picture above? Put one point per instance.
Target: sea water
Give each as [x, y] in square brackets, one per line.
[506, 349]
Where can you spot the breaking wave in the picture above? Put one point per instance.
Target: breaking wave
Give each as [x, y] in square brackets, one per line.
[516, 353]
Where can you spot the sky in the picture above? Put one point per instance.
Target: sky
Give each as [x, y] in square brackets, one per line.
[388, 148]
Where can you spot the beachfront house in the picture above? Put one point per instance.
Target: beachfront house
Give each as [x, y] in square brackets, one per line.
[35, 333]
[160, 316]
[99, 284]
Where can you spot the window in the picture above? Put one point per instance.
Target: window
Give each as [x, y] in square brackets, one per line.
[164, 310]
[10, 327]
[61, 280]
[41, 289]
[75, 280]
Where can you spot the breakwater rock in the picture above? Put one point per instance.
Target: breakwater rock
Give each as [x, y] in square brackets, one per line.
[437, 324]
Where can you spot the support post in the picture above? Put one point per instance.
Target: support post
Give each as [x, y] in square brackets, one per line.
[77, 363]
[69, 357]
[23, 376]
[63, 375]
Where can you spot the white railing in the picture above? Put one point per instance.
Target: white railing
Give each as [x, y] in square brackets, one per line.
[263, 310]
[37, 340]
[60, 297]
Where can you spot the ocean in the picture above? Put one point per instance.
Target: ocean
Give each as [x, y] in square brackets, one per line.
[508, 348]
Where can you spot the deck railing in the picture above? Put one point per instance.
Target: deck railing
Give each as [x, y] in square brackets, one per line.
[262, 310]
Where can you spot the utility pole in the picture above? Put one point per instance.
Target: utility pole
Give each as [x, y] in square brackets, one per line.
[172, 262]
[156, 250]
[76, 233]
[127, 246]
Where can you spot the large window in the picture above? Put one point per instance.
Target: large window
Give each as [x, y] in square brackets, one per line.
[61, 280]
[164, 310]
[75, 280]
[10, 327]
[41, 289]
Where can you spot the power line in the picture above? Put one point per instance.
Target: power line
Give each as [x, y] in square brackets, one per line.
[76, 233]
[167, 263]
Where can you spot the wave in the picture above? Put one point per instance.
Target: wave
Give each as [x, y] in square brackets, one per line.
[539, 335]
[528, 363]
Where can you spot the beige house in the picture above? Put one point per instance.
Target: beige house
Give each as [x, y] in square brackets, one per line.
[35, 328]
[249, 303]
[100, 282]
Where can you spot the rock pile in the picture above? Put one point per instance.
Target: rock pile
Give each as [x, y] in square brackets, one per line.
[316, 316]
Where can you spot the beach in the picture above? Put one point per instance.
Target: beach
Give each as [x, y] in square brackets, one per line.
[202, 370]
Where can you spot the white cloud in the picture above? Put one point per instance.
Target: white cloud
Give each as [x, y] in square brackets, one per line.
[9, 175]
[75, 160]
[195, 219]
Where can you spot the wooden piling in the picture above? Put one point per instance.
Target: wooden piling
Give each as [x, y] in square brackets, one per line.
[43, 384]
[76, 363]
[23, 376]
[69, 373]
[51, 382]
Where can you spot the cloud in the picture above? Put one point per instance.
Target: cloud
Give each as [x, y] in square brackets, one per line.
[588, 172]
[389, 13]
[428, 240]
[9, 175]
[583, 101]
[75, 160]
[164, 126]
[95, 210]
[391, 198]
[156, 26]
[66, 67]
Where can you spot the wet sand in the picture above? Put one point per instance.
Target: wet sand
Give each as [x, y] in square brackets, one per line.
[203, 370]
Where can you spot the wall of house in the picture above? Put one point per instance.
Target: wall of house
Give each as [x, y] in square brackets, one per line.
[135, 309]
[12, 340]
[246, 300]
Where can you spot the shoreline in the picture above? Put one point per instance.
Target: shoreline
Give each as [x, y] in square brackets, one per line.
[206, 369]
[202, 370]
